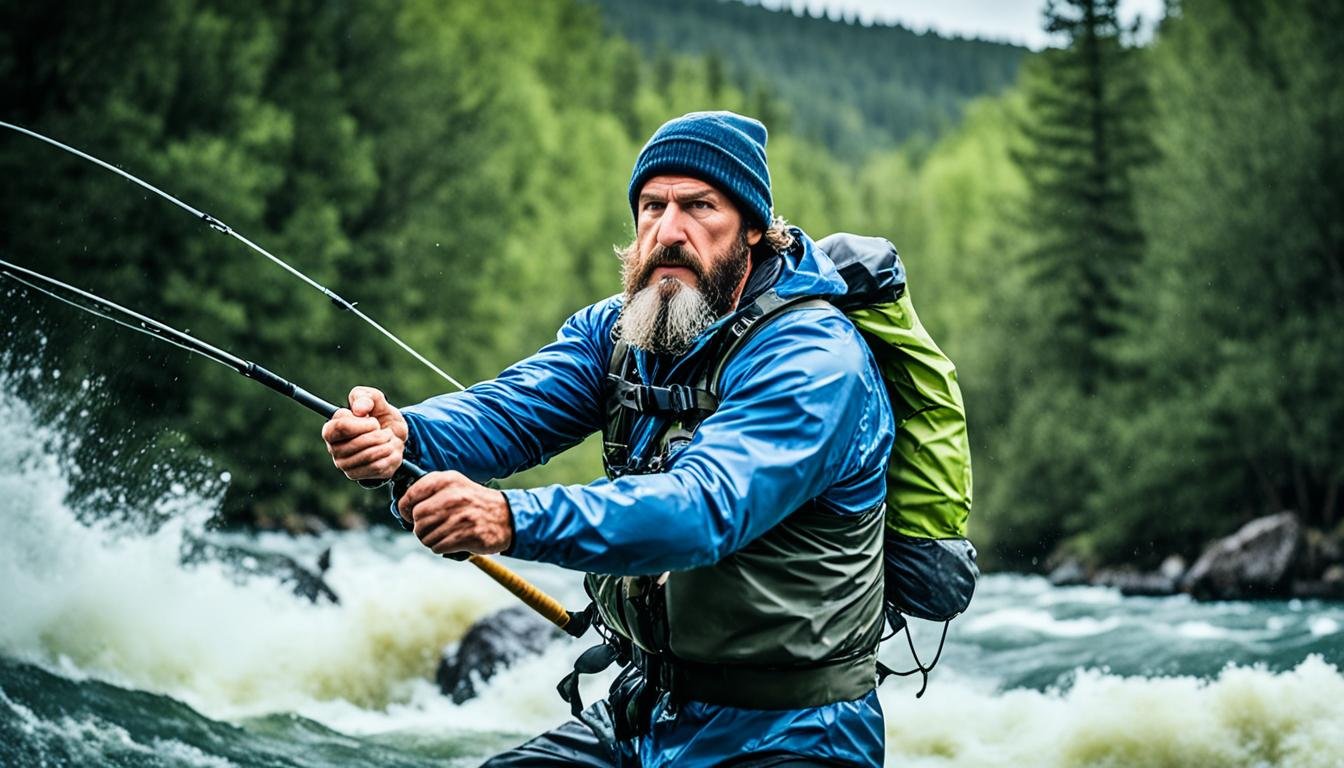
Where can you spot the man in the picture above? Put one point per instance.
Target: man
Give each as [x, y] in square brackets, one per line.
[734, 549]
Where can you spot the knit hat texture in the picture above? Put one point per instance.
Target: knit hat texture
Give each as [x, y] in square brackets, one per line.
[722, 148]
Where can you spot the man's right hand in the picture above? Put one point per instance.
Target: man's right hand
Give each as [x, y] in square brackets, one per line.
[366, 440]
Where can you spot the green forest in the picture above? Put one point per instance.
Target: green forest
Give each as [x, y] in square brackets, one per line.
[1131, 245]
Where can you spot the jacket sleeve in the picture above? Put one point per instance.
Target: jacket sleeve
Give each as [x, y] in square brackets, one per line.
[796, 400]
[530, 412]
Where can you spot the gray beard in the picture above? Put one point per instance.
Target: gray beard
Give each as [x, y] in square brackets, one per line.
[665, 318]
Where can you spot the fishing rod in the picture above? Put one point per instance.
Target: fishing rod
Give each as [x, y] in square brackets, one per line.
[223, 228]
[408, 472]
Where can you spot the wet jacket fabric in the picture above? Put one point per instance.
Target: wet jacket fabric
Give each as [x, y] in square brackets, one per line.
[804, 416]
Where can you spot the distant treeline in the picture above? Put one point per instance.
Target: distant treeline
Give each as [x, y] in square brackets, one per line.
[1133, 254]
[853, 87]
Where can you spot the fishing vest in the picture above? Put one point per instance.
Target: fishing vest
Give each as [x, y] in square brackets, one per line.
[791, 620]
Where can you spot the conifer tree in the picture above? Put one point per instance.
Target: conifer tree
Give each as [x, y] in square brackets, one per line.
[1082, 141]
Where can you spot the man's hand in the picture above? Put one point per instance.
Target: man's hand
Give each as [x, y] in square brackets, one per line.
[454, 514]
[366, 440]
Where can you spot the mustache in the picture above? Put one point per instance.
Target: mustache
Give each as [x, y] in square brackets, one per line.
[668, 256]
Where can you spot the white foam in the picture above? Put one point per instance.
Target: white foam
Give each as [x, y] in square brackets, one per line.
[1245, 717]
[1202, 630]
[1323, 625]
[1040, 622]
[122, 608]
[1081, 595]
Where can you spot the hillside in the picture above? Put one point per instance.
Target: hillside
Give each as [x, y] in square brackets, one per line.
[853, 87]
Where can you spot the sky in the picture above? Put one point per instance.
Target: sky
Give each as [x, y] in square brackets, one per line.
[1016, 21]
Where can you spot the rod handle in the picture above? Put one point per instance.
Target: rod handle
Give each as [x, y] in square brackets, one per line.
[534, 598]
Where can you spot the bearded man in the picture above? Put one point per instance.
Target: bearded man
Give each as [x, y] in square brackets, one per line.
[734, 549]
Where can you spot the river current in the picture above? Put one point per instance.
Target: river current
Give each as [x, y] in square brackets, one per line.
[114, 653]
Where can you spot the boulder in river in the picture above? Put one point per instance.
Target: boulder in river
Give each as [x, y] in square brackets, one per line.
[1069, 573]
[491, 645]
[245, 563]
[1330, 586]
[1135, 583]
[1257, 561]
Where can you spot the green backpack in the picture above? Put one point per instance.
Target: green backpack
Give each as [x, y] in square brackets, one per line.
[930, 567]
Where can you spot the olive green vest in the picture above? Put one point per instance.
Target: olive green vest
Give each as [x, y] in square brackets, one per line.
[791, 620]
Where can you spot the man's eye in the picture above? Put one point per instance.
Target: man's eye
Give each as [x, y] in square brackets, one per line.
[701, 205]
[653, 205]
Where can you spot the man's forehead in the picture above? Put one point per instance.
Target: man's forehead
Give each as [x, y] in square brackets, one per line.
[663, 187]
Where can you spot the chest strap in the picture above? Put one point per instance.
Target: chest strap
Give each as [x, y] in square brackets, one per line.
[676, 400]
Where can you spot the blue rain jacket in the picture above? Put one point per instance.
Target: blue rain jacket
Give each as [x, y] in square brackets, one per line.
[804, 415]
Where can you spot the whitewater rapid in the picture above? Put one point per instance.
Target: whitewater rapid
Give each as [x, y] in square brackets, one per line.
[1033, 675]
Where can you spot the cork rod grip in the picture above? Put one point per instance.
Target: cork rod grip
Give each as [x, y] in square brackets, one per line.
[524, 590]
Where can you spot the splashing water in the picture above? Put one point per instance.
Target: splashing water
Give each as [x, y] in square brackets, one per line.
[122, 607]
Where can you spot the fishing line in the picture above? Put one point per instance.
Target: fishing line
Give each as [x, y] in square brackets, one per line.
[223, 228]
[574, 624]
[105, 316]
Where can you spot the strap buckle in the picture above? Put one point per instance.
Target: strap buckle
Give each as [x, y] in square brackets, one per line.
[682, 398]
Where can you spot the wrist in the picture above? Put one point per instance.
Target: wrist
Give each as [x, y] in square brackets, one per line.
[511, 532]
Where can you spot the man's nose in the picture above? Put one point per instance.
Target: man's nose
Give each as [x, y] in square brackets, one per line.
[672, 226]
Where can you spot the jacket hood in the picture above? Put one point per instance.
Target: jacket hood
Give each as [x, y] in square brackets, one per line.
[808, 271]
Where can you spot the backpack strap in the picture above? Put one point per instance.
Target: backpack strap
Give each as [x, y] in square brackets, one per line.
[755, 317]
[688, 404]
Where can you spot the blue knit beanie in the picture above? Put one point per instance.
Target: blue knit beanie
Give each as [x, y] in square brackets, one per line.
[722, 148]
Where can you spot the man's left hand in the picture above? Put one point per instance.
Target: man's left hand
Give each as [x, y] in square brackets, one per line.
[453, 514]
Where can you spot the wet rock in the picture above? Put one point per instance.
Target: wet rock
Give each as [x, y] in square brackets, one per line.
[1319, 589]
[1256, 561]
[245, 563]
[1134, 583]
[1069, 573]
[1330, 586]
[491, 645]
[1320, 552]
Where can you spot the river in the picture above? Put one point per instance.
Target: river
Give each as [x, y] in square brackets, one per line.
[113, 653]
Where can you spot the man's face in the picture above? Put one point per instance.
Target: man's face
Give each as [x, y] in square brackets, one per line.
[687, 266]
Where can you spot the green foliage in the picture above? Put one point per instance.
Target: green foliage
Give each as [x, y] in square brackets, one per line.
[1084, 137]
[1230, 349]
[1151, 363]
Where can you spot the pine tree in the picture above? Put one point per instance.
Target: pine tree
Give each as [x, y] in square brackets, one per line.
[1081, 142]
[1084, 136]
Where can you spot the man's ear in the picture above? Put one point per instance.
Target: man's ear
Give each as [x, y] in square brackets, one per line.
[754, 235]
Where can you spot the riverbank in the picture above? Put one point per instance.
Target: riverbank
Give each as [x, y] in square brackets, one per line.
[1274, 556]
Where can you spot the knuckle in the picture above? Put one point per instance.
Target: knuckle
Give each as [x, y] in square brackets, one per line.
[369, 392]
